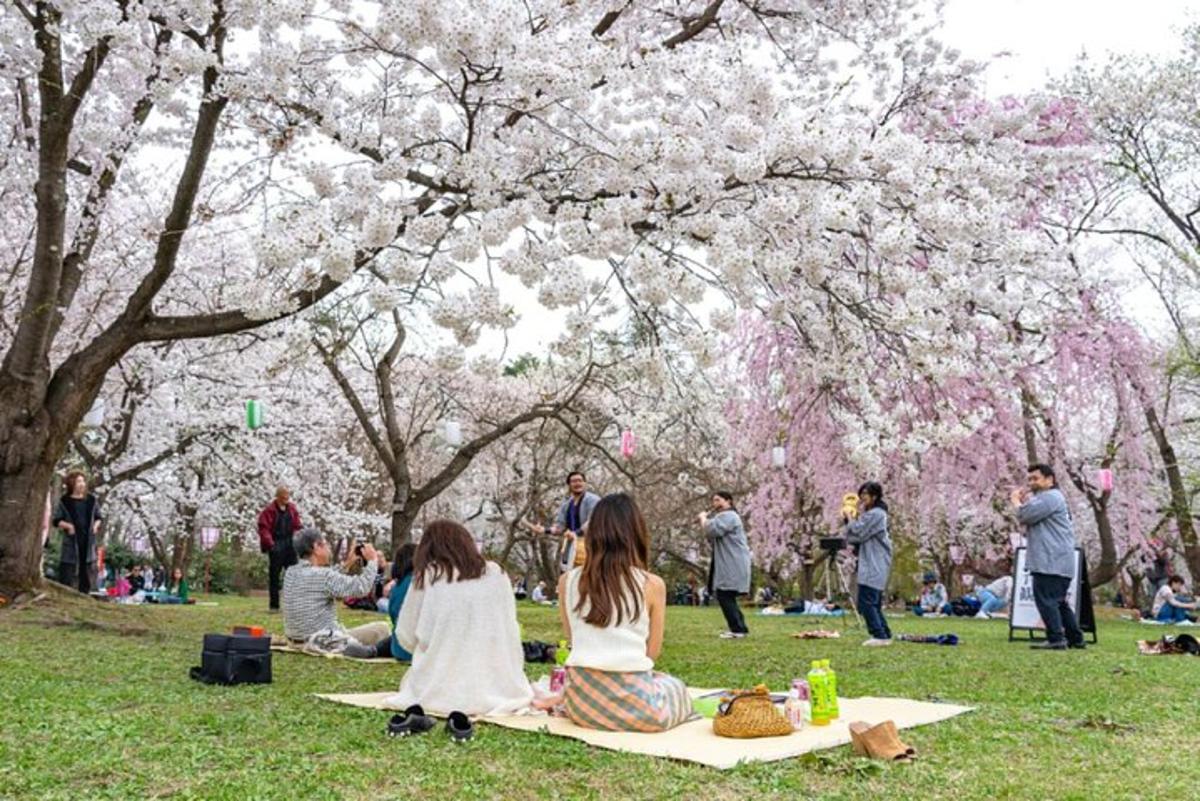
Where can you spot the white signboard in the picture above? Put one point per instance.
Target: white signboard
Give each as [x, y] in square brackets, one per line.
[1023, 612]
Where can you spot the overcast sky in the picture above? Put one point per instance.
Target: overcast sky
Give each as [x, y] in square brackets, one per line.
[1042, 39]
[1045, 36]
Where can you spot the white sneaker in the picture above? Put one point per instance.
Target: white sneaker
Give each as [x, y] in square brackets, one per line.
[876, 643]
[983, 615]
[731, 635]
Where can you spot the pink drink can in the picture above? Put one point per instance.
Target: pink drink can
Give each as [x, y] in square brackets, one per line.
[558, 679]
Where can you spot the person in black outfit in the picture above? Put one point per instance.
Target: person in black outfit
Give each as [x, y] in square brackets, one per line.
[77, 514]
[276, 525]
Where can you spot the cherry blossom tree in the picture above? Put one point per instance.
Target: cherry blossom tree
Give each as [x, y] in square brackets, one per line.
[205, 167]
[1147, 201]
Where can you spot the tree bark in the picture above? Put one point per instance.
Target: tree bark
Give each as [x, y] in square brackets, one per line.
[1181, 507]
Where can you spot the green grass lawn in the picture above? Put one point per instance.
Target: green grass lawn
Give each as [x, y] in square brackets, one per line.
[95, 702]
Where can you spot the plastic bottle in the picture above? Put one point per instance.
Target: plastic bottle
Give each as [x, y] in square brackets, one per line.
[561, 653]
[831, 685]
[805, 692]
[795, 707]
[816, 682]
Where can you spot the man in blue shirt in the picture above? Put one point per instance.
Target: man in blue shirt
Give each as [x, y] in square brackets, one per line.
[1050, 557]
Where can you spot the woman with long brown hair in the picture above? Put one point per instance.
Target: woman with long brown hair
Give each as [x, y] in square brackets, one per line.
[459, 622]
[612, 611]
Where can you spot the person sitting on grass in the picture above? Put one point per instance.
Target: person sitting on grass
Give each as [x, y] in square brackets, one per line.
[402, 574]
[1170, 604]
[933, 600]
[612, 611]
[310, 589]
[459, 622]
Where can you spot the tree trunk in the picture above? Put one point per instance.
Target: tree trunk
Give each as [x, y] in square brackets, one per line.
[23, 488]
[1106, 570]
[403, 517]
[1181, 508]
[1027, 428]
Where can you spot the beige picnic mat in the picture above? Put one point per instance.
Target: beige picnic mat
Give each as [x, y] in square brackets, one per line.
[694, 741]
[379, 660]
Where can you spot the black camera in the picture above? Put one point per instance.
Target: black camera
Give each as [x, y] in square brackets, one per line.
[358, 547]
[833, 544]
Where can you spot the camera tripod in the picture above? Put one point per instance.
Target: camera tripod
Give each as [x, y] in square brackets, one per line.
[835, 581]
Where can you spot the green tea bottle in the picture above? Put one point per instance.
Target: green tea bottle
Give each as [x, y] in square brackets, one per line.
[831, 686]
[817, 684]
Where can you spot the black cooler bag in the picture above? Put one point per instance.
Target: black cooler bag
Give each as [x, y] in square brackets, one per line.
[234, 659]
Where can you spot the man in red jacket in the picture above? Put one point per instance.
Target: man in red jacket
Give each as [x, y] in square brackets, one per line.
[276, 525]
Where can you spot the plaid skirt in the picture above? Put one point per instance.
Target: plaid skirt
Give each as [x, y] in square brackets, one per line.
[645, 702]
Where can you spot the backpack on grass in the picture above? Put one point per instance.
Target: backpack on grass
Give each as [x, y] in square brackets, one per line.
[234, 659]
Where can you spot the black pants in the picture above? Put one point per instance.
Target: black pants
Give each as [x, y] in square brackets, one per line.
[281, 556]
[870, 606]
[1050, 596]
[72, 574]
[733, 613]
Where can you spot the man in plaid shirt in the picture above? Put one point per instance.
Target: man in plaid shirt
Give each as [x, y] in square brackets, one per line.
[310, 590]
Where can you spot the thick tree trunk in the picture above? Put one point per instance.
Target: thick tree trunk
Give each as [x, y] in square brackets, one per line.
[1181, 507]
[403, 517]
[23, 489]
[33, 435]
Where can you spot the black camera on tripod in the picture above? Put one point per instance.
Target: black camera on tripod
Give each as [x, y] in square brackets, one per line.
[832, 545]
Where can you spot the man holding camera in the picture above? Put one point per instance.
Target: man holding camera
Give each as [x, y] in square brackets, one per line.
[276, 525]
[310, 590]
[1050, 558]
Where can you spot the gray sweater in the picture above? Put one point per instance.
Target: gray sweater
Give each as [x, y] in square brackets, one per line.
[586, 505]
[731, 552]
[870, 533]
[1051, 538]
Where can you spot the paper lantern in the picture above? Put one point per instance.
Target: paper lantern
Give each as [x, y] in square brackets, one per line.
[95, 415]
[209, 537]
[628, 444]
[1105, 479]
[254, 414]
[778, 456]
[453, 434]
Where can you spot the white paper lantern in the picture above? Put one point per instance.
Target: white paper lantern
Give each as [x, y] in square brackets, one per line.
[95, 415]
[778, 456]
[453, 433]
[209, 537]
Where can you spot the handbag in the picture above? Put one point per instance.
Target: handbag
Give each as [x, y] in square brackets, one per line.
[234, 659]
[750, 713]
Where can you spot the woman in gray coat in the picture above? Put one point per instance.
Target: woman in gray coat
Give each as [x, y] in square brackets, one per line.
[729, 573]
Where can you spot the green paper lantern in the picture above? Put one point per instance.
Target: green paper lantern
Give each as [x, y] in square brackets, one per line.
[254, 416]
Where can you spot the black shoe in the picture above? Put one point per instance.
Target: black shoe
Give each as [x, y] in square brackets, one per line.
[460, 727]
[412, 721]
[1078, 646]
[1049, 646]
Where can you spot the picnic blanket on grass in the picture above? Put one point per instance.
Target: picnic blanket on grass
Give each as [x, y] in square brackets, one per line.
[694, 741]
[289, 649]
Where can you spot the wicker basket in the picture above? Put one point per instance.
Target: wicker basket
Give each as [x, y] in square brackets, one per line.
[750, 714]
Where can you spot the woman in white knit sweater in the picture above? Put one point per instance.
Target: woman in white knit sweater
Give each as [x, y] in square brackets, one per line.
[459, 622]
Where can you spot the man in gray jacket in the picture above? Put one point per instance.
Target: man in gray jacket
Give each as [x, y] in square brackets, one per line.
[572, 520]
[1050, 557]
